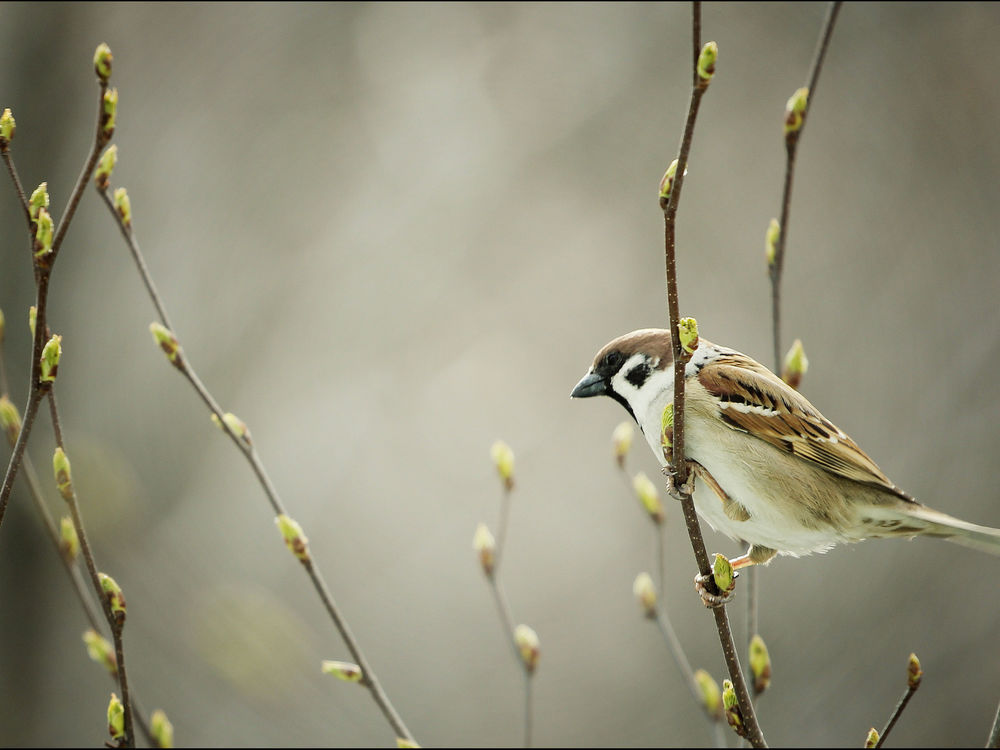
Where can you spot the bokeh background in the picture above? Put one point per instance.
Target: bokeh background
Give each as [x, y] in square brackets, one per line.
[390, 234]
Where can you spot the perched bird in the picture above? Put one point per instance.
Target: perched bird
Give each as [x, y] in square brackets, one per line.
[784, 478]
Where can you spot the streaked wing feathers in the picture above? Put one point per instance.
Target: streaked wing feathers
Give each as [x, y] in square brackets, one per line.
[753, 399]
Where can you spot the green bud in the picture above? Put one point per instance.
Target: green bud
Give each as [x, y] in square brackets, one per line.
[236, 425]
[913, 672]
[102, 62]
[706, 63]
[39, 199]
[102, 177]
[645, 490]
[667, 432]
[10, 419]
[711, 696]
[3, 325]
[110, 114]
[44, 230]
[69, 542]
[771, 241]
[760, 664]
[115, 596]
[294, 537]
[167, 342]
[50, 359]
[872, 739]
[527, 644]
[645, 593]
[32, 316]
[64, 477]
[687, 329]
[342, 670]
[486, 547]
[7, 128]
[403, 743]
[732, 707]
[161, 728]
[796, 365]
[116, 718]
[100, 650]
[722, 572]
[123, 206]
[621, 439]
[795, 111]
[503, 459]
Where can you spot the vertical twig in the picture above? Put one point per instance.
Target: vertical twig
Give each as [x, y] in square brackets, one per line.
[994, 739]
[680, 467]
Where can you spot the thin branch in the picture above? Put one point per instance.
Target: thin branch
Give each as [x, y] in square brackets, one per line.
[115, 623]
[370, 681]
[994, 738]
[791, 146]
[18, 188]
[896, 713]
[680, 467]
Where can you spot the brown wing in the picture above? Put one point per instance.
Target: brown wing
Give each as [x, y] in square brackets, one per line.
[754, 400]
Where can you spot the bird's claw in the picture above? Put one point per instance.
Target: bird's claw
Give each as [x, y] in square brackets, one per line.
[677, 491]
[710, 600]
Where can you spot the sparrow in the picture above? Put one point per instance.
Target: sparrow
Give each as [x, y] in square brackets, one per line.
[783, 477]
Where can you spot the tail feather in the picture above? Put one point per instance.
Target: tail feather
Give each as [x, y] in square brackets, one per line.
[934, 523]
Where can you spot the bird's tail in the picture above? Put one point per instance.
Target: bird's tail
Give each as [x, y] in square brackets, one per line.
[914, 518]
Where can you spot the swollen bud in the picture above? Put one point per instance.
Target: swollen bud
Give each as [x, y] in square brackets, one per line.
[402, 742]
[645, 593]
[527, 643]
[167, 342]
[667, 181]
[64, 478]
[50, 359]
[667, 432]
[913, 672]
[123, 206]
[32, 317]
[109, 114]
[102, 176]
[760, 664]
[116, 718]
[722, 572]
[10, 420]
[7, 128]
[771, 241]
[115, 596]
[795, 112]
[486, 547]
[621, 439]
[39, 199]
[102, 62]
[645, 490]
[711, 696]
[100, 650]
[44, 230]
[342, 670]
[687, 330]
[69, 542]
[732, 707]
[796, 365]
[236, 425]
[503, 459]
[872, 739]
[295, 538]
[161, 728]
[706, 63]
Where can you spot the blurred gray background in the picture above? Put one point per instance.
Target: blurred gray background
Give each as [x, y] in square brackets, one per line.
[390, 234]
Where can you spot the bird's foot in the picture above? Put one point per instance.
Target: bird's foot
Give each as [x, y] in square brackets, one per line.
[703, 584]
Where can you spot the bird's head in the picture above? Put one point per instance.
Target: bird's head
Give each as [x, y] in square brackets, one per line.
[634, 370]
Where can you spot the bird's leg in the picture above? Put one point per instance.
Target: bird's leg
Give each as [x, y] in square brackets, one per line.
[677, 491]
[756, 555]
[730, 507]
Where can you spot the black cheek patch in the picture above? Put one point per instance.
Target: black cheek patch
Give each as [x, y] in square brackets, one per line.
[638, 375]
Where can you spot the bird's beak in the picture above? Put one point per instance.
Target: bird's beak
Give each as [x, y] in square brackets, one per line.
[592, 384]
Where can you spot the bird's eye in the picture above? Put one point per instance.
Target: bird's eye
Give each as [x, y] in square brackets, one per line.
[614, 360]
